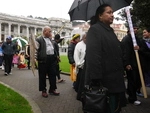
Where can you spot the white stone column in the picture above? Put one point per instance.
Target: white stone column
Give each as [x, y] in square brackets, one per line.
[19, 30]
[34, 30]
[27, 28]
[9, 29]
[0, 32]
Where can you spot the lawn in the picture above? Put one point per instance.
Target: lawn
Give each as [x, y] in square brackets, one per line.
[64, 64]
[12, 102]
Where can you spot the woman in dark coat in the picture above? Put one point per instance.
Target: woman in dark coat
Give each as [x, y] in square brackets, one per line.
[104, 58]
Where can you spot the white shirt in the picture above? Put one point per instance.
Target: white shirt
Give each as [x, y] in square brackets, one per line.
[79, 54]
[49, 47]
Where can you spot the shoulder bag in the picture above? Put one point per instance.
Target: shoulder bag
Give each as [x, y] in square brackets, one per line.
[95, 99]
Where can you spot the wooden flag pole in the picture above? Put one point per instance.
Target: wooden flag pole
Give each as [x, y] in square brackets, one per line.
[136, 52]
[141, 74]
[61, 29]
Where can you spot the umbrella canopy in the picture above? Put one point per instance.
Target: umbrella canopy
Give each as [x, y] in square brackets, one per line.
[85, 9]
[21, 42]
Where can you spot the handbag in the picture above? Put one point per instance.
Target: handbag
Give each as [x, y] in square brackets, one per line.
[95, 99]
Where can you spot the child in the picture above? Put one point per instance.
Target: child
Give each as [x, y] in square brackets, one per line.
[22, 63]
[15, 58]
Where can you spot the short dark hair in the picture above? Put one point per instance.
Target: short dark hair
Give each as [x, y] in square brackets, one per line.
[57, 37]
[147, 29]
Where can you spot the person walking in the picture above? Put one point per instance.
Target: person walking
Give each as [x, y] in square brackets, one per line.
[47, 59]
[56, 41]
[70, 54]
[131, 67]
[9, 49]
[104, 58]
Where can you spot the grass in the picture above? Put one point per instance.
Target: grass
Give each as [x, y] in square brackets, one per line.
[12, 102]
[64, 64]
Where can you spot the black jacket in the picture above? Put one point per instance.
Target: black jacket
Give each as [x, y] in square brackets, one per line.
[145, 56]
[56, 46]
[9, 48]
[128, 51]
[41, 52]
[70, 54]
[104, 58]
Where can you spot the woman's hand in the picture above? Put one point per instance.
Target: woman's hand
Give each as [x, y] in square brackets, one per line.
[129, 67]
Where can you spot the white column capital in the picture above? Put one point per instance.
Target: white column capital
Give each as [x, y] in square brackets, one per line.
[9, 23]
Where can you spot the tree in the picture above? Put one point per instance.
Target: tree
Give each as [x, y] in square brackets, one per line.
[139, 13]
[30, 16]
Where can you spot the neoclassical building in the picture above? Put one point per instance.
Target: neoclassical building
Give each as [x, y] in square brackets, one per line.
[120, 30]
[20, 26]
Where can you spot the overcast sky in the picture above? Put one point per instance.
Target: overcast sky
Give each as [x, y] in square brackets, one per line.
[37, 8]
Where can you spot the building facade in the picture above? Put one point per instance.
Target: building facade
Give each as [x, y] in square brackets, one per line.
[120, 30]
[20, 26]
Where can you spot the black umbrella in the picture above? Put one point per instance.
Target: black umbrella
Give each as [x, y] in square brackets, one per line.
[85, 9]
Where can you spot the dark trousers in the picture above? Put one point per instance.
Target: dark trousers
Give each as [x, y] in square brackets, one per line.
[134, 84]
[1, 60]
[8, 63]
[47, 68]
[58, 71]
[28, 62]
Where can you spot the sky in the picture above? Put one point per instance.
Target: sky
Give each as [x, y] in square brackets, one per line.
[37, 8]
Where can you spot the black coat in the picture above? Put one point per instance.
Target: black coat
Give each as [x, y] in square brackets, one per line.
[145, 56]
[104, 58]
[129, 53]
[70, 54]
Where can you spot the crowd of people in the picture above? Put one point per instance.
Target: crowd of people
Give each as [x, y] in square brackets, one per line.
[97, 57]
[100, 58]
[11, 54]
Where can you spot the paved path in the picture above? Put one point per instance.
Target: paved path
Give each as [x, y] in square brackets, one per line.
[25, 83]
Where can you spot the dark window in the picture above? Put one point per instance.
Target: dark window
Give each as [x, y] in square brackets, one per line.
[12, 28]
[21, 29]
[3, 27]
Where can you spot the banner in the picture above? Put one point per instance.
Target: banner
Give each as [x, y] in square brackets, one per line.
[130, 26]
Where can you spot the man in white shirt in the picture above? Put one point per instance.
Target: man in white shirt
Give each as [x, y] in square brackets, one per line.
[79, 57]
[47, 59]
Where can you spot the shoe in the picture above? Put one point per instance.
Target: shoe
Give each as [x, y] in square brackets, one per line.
[53, 92]
[139, 94]
[44, 94]
[6, 74]
[137, 102]
[61, 80]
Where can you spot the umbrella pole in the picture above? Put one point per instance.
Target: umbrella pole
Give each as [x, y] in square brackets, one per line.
[141, 74]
